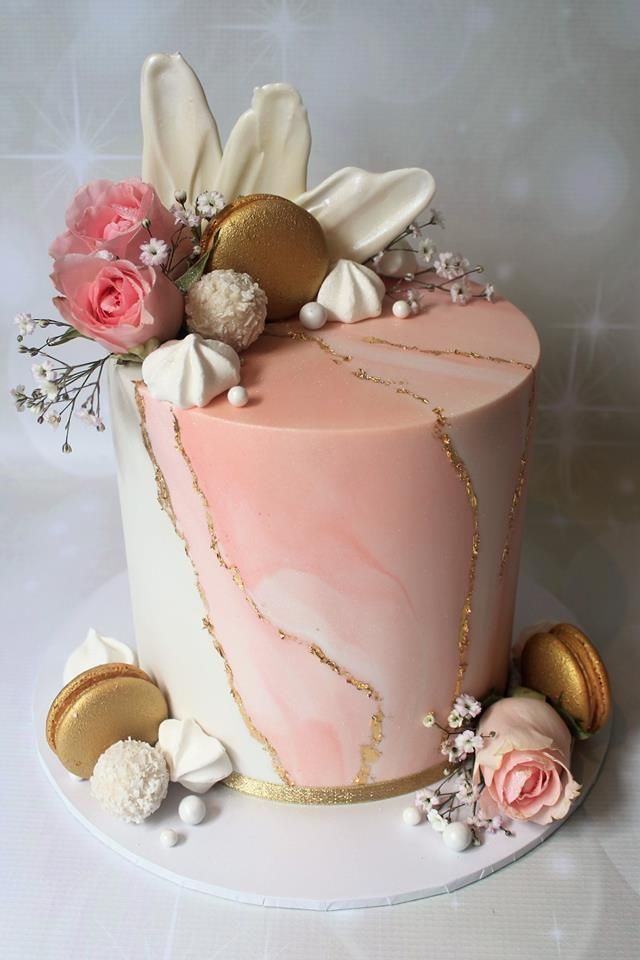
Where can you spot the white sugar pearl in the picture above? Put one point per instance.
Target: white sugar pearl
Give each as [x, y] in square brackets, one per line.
[401, 308]
[313, 316]
[457, 836]
[192, 810]
[169, 838]
[238, 397]
[412, 816]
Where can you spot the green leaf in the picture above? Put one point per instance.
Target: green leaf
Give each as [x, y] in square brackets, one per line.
[194, 273]
[65, 337]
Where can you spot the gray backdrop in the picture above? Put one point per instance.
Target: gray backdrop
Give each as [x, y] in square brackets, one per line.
[527, 115]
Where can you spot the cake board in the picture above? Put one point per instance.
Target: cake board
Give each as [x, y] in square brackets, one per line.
[281, 855]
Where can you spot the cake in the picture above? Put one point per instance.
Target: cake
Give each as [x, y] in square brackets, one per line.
[314, 572]
[323, 427]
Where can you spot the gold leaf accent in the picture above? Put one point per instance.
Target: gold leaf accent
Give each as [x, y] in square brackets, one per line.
[301, 337]
[164, 499]
[369, 752]
[522, 471]
[463, 474]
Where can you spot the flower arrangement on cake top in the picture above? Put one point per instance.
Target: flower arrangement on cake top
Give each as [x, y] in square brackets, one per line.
[191, 261]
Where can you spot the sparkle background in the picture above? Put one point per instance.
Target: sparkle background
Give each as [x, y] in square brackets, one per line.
[527, 115]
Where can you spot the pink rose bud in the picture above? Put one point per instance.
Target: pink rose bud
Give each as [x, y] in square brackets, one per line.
[525, 766]
[115, 302]
[114, 217]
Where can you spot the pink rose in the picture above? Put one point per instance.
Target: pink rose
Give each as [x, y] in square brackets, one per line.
[525, 767]
[108, 216]
[115, 302]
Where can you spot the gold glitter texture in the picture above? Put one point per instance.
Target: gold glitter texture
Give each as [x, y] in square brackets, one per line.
[357, 793]
[279, 244]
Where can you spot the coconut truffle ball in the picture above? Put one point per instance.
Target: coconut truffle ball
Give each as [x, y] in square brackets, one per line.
[228, 306]
[130, 780]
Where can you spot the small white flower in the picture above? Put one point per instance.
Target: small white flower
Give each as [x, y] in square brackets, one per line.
[42, 372]
[50, 388]
[413, 299]
[467, 706]
[19, 396]
[495, 824]
[180, 196]
[186, 216]
[154, 253]
[53, 420]
[427, 249]
[87, 416]
[467, 792]
[460, 293]
[429, 720]
[489, 292]
[415, 231]
[468, 742]
[455, 719]
[450, 750]
[105, 255]
[426, 800]
[25, 323]
[209, 203]
[451, 265]
[436, 820]
[436, 218]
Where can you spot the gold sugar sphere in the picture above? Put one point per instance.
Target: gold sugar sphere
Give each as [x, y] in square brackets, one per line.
[279, 244]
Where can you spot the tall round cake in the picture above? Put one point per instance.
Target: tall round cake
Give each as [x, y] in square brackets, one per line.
[313, 573]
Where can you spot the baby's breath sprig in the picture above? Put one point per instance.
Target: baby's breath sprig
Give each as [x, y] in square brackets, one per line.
[61, 389]
[452, 270]
[457, 795]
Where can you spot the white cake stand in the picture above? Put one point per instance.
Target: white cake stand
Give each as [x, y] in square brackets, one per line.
[279, 855]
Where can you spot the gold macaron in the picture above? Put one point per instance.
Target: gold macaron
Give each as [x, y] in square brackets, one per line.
[279, 244]
[563, 664]
[105, 704]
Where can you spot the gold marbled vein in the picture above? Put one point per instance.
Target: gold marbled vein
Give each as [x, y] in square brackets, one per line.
[522, 470]
[369, 752]
[164, 499]
[464, 630]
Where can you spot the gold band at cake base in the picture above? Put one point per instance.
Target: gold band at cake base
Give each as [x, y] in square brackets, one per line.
[332, 796]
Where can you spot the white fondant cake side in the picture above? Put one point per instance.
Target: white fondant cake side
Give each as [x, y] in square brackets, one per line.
[173, 645]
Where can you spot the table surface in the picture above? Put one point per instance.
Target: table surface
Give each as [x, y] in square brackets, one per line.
[64, 894]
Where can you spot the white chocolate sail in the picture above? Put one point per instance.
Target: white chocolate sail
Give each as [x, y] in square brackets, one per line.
[268, 149]
[181, 147]
[362, 212]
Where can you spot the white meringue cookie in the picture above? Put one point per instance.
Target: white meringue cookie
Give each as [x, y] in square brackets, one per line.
[191, 372]
[195, 759]
[351, 292]
[94, 651]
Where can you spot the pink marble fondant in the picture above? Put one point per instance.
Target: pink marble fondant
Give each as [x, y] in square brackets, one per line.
[332, 495]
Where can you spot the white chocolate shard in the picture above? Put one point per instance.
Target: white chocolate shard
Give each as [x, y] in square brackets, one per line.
[268, 149]
[362, 212]
[351, 292]
[181, 147]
